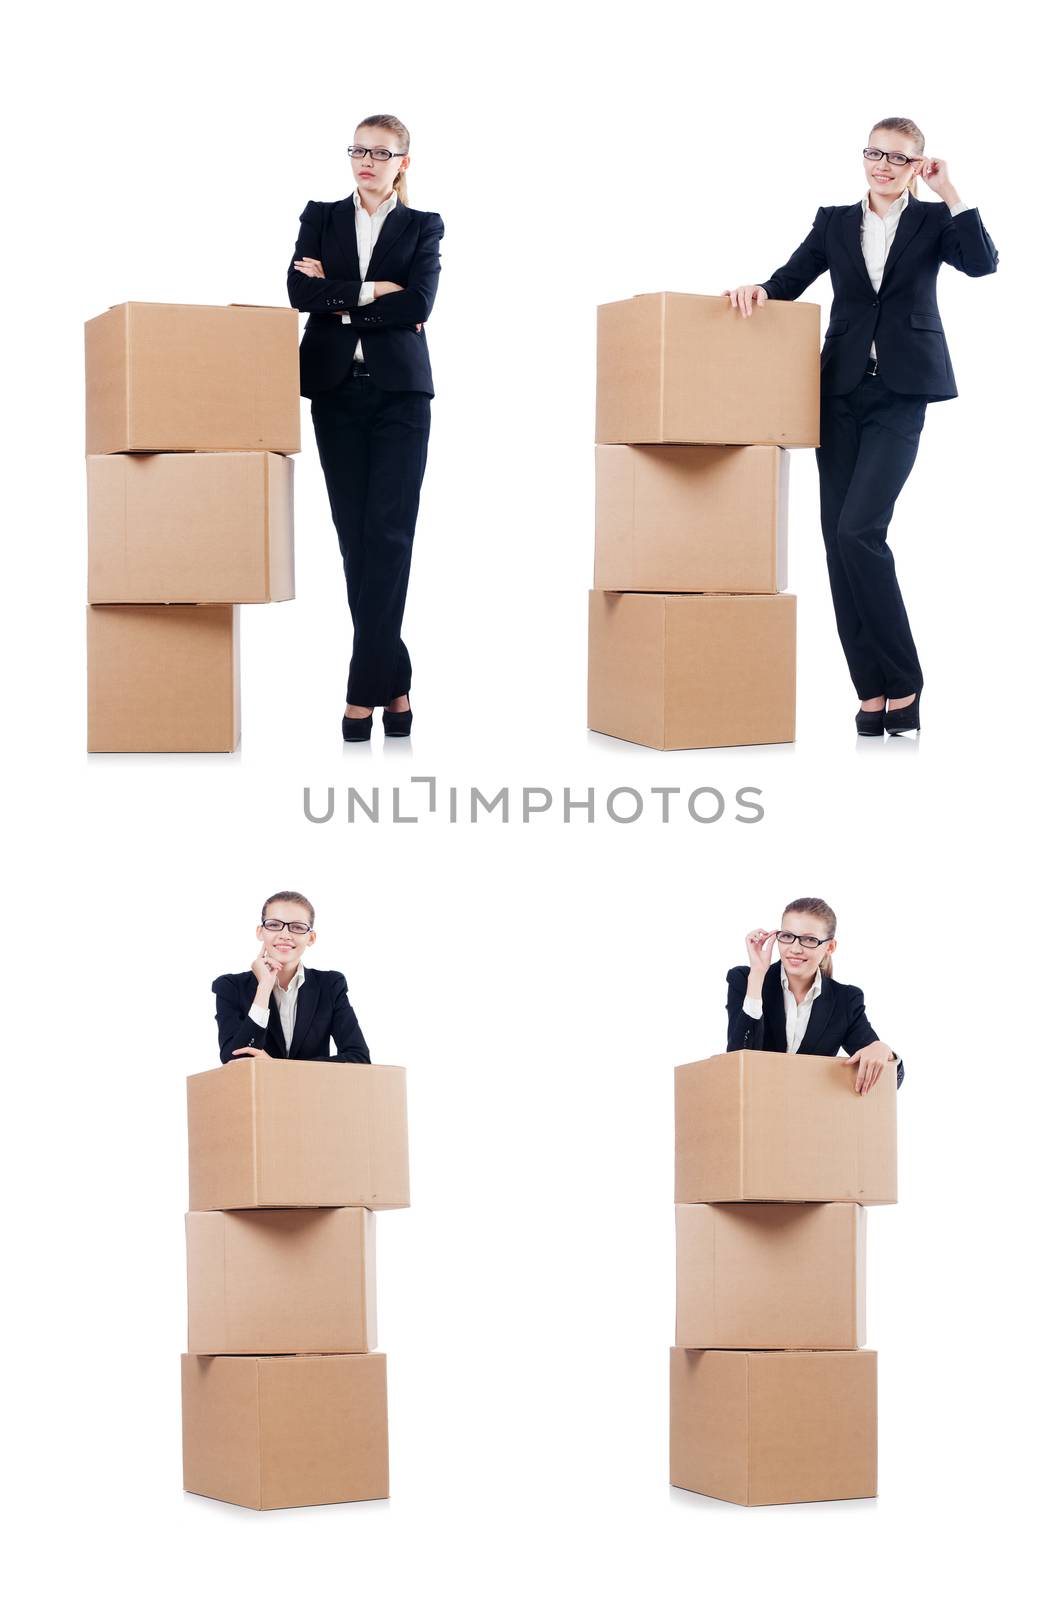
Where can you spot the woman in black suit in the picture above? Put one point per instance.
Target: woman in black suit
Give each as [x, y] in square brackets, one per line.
[281, 1009]
[884, 360]
[366, 270]
[795, 1005]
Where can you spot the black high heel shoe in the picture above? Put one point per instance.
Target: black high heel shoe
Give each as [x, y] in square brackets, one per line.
[397, 724]
[905, 720]
[356, 729]
[870, 723]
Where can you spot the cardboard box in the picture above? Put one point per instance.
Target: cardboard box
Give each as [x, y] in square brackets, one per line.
[270, 1431]
[768, 1427]
[297, 1133]
[208, 528]
[281, 1282]
[709, 519]
[688, 369]
[163, 678]
[770, 1277]
[759, 1125]
[682, 671]
[174, 377]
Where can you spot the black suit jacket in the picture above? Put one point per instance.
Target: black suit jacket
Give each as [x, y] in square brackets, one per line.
[324, 1013]
[837, 1018]
[903, 318]
[406, 252]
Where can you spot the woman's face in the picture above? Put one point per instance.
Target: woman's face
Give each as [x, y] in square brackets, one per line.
[802, 961]
[373, 177]
[286, 946]
[882, 177]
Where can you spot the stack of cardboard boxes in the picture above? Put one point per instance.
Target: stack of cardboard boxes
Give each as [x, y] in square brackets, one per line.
[772, 1398]
[284, 1396]
[691, 639]
[191, 415]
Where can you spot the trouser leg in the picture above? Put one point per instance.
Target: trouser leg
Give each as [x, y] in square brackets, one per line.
[342, 424]
[836, 460]
[889, 439]
[381, 670]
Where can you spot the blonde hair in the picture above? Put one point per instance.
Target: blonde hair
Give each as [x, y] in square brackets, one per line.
[907, 126]
[818, 908]
[395, 126]
[293, 898]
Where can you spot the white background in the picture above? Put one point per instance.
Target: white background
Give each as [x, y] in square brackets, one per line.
[539, 981]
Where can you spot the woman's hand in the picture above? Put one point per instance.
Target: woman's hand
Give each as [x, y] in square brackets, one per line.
[265, 970]
[746, 298]
[382, 287]
[311, 268]
[936, 174]
[760, 944]
[870, 1061]
[249, 1050]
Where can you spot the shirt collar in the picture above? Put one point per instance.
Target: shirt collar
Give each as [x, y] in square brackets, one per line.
[382, 210]
[295, 983]
[895, 209]
[815, 992]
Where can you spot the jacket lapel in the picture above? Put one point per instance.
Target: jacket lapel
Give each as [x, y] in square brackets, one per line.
[274, 1040]
[389, 234]
[773, 1010]
[908, 225]
[344, 222]
[850, 233]
[820, 1016]
[308, 995]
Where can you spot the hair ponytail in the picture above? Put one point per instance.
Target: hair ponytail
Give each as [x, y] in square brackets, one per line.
[395, 126]
[818, 908]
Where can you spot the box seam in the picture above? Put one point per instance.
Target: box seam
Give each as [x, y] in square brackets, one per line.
[127, 375]
[261, 1442]
[662, 368]
[255, 1150]
[265, 488]
[742, 1108]
[747, 1428]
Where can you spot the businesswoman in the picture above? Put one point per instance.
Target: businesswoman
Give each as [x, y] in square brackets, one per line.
[884, 360]
[280, 1008]
[366, 270]
[794, 1005]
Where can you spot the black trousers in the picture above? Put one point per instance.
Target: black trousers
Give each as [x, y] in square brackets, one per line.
[373, 449]
[869, 441]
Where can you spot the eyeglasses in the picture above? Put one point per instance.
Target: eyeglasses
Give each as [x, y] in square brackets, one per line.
[274, 925]
[895, 157]
[359, 151]
[807, 940]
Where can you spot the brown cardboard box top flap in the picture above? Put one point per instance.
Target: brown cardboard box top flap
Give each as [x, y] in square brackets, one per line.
[198, 305]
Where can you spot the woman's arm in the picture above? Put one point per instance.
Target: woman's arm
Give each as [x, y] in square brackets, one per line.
[859, 1040]
[235, 1029]
[410, 305]
[745, 1033]
[345, 1030]
[963, 243]
[803, 265]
